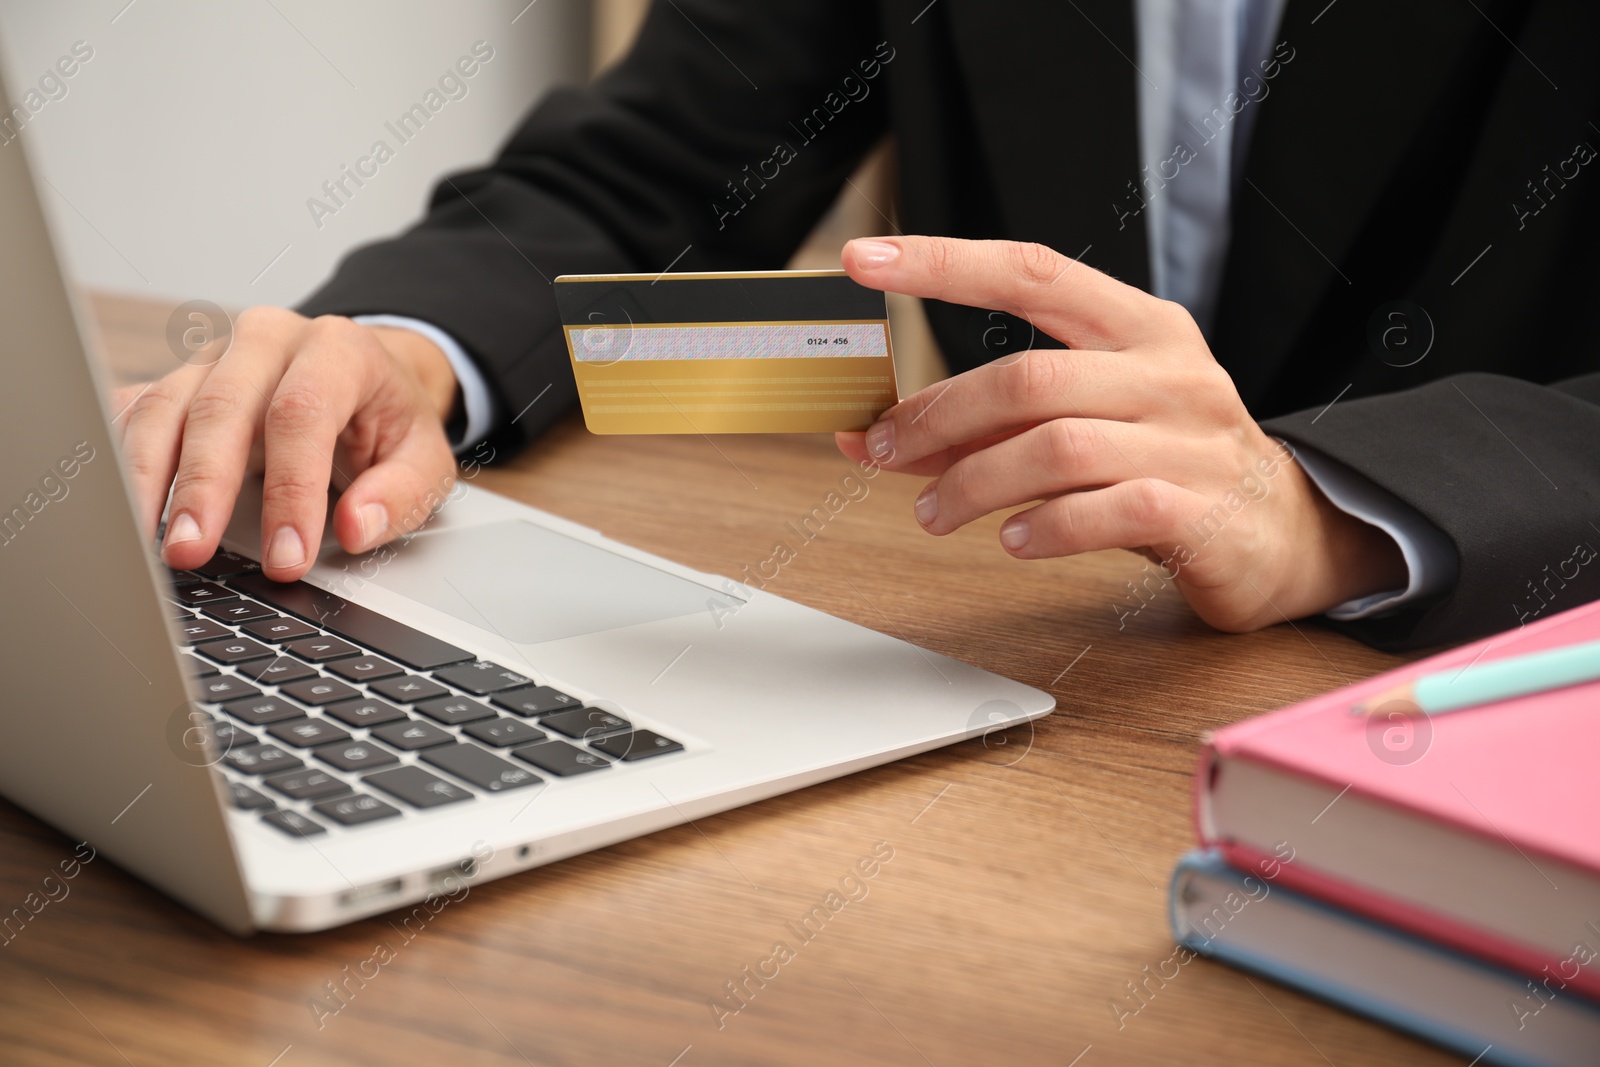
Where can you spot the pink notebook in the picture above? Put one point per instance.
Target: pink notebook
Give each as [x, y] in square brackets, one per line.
[1479, 828]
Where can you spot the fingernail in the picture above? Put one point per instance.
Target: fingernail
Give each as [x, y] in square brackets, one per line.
[880, 440]
[1015, 534]
[374, 520]
[927, 506]
[182, 528]
[286, 549]
[874, 254]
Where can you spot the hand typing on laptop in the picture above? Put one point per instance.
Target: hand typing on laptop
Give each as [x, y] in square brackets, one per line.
[1135, 438]
[308, 403]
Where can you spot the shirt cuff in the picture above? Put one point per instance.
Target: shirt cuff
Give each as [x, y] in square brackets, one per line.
[1431, 558]
[476, 400]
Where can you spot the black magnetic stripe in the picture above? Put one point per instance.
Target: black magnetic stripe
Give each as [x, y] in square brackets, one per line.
[806, 299]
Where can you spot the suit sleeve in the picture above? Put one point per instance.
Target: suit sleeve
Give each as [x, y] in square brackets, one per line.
[714, 145]
[1506, 469]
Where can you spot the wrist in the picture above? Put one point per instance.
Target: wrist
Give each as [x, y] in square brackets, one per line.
[428, 365]
[1357, 558]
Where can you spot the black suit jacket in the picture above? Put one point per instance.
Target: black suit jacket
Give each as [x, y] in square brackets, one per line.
[1435, 153]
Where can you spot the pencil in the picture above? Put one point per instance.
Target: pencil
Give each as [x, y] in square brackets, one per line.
[1487, 683]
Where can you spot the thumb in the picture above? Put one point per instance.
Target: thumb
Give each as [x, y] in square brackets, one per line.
[400, 491]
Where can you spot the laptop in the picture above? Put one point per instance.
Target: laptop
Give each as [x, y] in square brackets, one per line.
[509, 689]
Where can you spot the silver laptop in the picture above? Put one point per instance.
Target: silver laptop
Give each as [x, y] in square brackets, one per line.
[508, 690]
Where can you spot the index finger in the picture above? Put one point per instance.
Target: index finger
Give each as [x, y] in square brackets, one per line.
[322, 387]
[1060, 296]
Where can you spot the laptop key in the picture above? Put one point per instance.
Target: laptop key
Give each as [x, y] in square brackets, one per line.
[223, 736]
[276, 671]
[355, 756]
[364, 712]
[233, 651]
[293, 823]
[194, 631]
[260, 710]
[306, 784]
[181, 577]
[229, 736]
[379, 633]
[481, 677]
[584, 723]
[226, 564]
[353, 811]
[417, 787]
[560, 758]
[224, 688]
[197, 668]
[247, 799]
[238, 611]
[261, 759]
[321, 648]
[453, 710]
[409, 689]
[278, 629]
[201, 593]
[483, 769]
[412, 735]
[503, 731]
[636, 745]
[538, 700]
[319, 691]
[303, 733]
[362, 668]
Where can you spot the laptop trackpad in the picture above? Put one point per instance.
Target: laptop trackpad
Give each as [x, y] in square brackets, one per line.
[530, 584]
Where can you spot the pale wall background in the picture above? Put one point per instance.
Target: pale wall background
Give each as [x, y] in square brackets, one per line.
[183, 153]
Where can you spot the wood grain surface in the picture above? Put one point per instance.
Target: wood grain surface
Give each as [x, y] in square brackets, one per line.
[1026, 888]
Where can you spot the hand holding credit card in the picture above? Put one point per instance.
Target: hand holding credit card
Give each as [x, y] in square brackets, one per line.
[743, 352]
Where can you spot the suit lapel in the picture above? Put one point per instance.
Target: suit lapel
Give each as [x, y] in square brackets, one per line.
[1342, 116]
[1053, 92]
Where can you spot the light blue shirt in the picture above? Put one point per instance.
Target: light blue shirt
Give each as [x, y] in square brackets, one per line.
[1192, 55]
[1198, 60]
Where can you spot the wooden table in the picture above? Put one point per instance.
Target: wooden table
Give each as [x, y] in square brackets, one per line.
[1027, 885]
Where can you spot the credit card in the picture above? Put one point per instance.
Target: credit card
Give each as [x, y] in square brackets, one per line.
[742, 352]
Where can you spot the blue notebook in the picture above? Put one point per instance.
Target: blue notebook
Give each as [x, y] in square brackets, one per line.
[1486, 1013]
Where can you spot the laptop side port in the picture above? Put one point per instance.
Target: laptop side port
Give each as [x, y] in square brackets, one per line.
[360, 895]
[451, 878]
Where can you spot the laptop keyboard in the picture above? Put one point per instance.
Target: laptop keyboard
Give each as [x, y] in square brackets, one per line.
[329, 714]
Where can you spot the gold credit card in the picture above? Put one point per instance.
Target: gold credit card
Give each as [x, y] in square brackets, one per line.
[744, 352]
